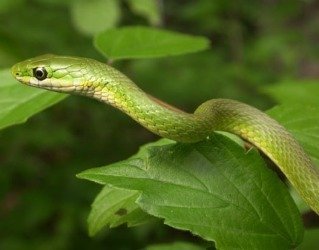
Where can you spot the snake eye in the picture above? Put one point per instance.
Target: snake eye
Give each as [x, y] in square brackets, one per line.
[40, 73]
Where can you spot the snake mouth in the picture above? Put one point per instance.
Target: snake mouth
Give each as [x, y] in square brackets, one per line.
[21, 74]
[22, 79]
[16, 72]
[19, 78]
[48, 84]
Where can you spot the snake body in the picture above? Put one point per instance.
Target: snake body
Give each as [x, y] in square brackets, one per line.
[94, 79]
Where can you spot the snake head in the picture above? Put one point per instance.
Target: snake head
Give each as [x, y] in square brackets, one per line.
[57, 73]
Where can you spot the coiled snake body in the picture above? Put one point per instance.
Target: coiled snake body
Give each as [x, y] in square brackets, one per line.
[91, 78]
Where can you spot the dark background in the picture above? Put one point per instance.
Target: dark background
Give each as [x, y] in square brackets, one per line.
[42, 204]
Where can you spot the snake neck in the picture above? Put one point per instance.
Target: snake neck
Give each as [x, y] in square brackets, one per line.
[114, 88]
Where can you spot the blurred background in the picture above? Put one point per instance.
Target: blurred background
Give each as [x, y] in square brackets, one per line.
[42, 203]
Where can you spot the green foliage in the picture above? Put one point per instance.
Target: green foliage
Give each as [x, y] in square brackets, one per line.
[44, 206]
[208, 188]
[148, 8]
[84, 15]
[300, 118]
[144, 42]
[175, 246]
[6, 5]
[303, 122]
[310, 240]
[301, 92]
[299, 112]
[19, 102]
[113, 207]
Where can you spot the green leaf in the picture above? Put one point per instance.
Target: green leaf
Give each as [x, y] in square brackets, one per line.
[296, 92]
[214, 189]
[110, 201]
[92, 17]
[299, 113]
[19, 102]
[144, 42]
[311, 240]
[6, 5]
[302, 121]
[113, 207]
[143, 152]
[150, 9]
[175, 246]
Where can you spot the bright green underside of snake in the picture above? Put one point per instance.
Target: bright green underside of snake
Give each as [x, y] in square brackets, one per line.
[91, 78]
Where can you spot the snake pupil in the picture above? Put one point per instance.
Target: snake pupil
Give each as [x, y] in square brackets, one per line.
[40, 73]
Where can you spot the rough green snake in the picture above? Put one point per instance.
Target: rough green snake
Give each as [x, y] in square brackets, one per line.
[94, 79]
